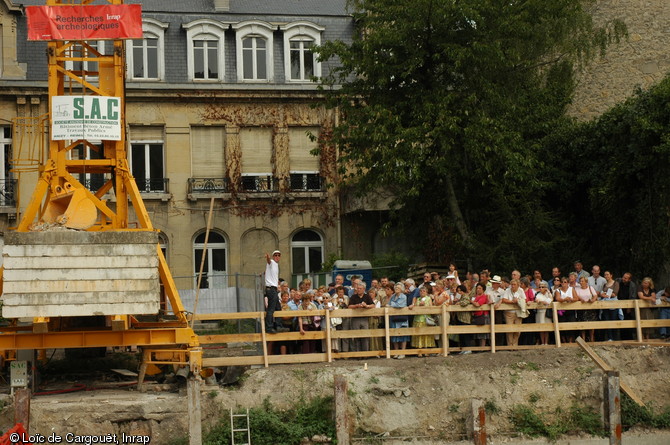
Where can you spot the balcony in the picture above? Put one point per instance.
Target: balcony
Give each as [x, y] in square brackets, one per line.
[208, 188]
[154, 188]
[306, 182]
[8, 193]
[259, 184]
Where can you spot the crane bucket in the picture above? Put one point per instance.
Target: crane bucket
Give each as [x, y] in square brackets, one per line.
[72, 209]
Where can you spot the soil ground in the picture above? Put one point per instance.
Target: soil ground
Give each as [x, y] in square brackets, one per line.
[423, 400]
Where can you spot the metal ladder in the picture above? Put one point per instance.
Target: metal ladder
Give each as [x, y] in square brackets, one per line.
[234, 430]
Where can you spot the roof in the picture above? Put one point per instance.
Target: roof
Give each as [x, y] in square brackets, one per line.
[260, 7]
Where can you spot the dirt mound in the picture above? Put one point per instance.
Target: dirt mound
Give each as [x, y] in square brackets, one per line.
[415, 397]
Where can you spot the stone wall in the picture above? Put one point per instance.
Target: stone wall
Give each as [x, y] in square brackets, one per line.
[641, 60]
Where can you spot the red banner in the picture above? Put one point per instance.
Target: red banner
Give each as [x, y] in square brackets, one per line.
[84, 22]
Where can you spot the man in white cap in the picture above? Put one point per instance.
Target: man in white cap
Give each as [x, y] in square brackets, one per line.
[271, 284]
[494, 292]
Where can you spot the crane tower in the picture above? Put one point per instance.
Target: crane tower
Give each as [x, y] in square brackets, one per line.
[81, 256]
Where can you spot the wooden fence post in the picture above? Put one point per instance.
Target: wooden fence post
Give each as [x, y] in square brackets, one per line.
[386, 332]
[493, 329]
[22, 407]
[341, 403]
[264, 341]
[638, 325]
[612, 404]
[445, 337]
[329, 349]
[477, 422]
[557, 329]
[194, 413]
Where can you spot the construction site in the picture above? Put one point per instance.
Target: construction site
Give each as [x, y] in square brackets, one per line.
[97, 346]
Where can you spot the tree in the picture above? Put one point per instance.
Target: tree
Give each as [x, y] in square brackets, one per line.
[445, 103]
[618, 200]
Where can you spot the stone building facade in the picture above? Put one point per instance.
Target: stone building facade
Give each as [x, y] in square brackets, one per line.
[641, 60]
[219, 104]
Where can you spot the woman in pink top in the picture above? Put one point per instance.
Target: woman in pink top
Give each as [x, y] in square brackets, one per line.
[586, 294]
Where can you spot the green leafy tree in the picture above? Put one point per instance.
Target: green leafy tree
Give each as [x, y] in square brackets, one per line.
[445, 104]
[617, 202]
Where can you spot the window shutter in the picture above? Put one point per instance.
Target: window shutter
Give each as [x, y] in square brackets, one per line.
[208, 152]
[300, 158]
[256, 146]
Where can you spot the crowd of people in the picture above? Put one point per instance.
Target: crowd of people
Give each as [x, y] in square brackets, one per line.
[470, 291]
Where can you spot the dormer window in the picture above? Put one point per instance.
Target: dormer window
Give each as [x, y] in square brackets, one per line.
[205, 40]
[300, 62]
[254, 51]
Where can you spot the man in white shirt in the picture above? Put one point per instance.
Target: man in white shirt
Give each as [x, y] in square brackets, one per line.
[596, 281]
[495, 291]
[271, 285]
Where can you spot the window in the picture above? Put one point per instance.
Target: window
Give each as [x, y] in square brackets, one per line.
[214, 271]
[208, 160]
[304, 167]
[254, 51]
[306, 252]
[7, 183]
[88, 70]
[145, 57]
[256, 146]
[146, 159]
[92, 150]
[300, 62]
[205, 49]
[208, 152]
[163, 243]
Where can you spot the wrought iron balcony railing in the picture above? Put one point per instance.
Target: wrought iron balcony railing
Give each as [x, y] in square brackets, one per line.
[8, 192]
[307, 182]
[208, 185]
[257, 184]
[153, 185]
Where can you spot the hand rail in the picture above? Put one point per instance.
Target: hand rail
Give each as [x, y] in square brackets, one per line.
[443, 330]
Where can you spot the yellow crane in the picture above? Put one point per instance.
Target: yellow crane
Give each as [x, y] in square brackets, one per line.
[61, 200]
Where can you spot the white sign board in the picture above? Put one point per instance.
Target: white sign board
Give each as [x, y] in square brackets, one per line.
[85, 117]
[18, 373]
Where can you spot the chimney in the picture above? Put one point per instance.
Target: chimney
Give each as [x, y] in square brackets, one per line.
[222, 5]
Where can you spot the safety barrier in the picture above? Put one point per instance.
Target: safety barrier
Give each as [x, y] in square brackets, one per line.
[442, 331]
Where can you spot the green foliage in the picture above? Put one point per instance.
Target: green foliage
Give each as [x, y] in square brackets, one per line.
[491, 407]
[579, 418]
[394, 264]
[514, 378]
[530, 366]
[328, 265]
[616, 200]
[533, 398]
[526, 421]
[446, 110]
[633, 414]
[453, 408]
[272, 426]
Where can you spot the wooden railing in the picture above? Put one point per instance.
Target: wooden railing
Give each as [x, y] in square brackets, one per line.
[443, 330]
